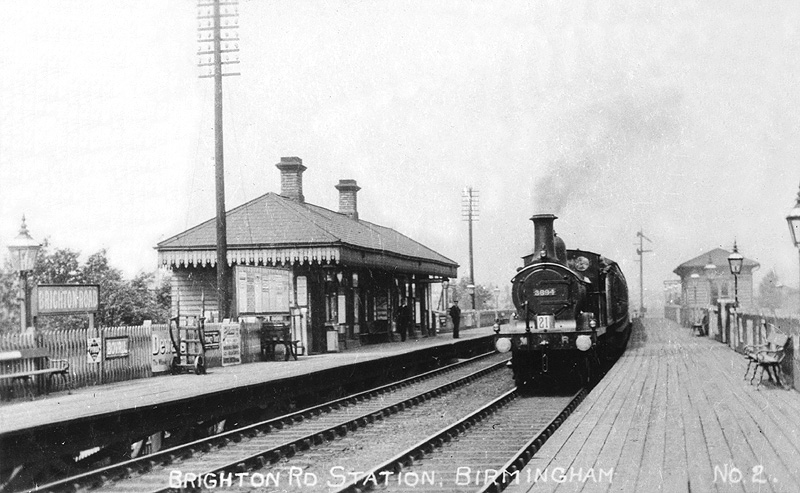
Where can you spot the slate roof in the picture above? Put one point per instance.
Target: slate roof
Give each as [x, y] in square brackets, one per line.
[274, 221]
[719, 257]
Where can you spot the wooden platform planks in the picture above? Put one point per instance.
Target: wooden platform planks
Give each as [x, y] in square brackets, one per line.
[675, 415]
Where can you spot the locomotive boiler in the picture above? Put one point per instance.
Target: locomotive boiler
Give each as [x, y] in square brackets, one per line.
[571, 313]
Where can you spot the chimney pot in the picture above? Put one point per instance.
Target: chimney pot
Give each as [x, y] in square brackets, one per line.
[348, 198]
[292, 178]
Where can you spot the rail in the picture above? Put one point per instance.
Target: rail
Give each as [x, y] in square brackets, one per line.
[100, 477]
[449, 434]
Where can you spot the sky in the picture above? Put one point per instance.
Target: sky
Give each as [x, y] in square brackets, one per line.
[679, 118]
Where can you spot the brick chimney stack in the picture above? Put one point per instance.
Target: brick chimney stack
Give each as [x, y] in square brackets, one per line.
[292, 178]
[348, 201]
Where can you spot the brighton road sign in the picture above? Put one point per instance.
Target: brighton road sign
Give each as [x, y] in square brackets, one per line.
[59, 299]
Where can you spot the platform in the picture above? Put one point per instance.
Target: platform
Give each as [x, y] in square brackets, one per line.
[674, 415]
[113, 397]
[49, 432]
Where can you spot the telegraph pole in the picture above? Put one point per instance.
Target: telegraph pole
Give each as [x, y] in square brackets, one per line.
[641, 251]
[469, 213]
[217, 19]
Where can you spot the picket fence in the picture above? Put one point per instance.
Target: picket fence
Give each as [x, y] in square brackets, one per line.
[72, 345]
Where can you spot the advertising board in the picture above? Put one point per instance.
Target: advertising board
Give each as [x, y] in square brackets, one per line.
[212, 338]
[231, 345]
[93, 349]
[262, 289]
[117, 347]
[161, 350]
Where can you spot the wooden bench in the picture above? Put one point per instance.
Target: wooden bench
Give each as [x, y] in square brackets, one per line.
[43, 365]
[767, 356]
[701, 327]
[273, 334]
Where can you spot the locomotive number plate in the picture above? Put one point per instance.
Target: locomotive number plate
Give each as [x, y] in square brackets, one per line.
[545, 322]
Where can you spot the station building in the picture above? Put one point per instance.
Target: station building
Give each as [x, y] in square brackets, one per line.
[706, 279]
[299, 263]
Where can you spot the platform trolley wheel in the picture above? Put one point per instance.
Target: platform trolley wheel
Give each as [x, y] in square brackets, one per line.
[199, 365]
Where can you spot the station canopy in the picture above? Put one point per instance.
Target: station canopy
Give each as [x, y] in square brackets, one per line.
[277, 230]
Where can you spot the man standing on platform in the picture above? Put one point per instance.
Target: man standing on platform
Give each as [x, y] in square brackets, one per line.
[455, 314]
[402, 319]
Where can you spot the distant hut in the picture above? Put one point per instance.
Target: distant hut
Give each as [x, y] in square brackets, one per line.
[711, 285]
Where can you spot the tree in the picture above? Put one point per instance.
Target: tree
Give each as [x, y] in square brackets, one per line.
[484, 297]
[61, 266]
[769, 295]
[9, 304]
[124, 302]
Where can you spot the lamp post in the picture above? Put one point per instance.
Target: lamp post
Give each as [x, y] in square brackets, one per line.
[471, 289]
[23, 250]
[496, 302]
[794, 228]
[735, 260]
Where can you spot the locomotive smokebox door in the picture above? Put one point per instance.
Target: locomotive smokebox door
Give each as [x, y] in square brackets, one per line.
[549, 291]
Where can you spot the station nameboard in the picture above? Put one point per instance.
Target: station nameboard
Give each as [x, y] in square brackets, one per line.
[54, 299]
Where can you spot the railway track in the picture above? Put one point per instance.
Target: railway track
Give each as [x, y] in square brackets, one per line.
[468, 453]
[482, 452]
[258, 445]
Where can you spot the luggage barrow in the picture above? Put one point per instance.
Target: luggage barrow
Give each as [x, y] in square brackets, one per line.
[194, 359]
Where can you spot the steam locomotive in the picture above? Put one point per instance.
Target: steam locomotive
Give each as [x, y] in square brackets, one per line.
[571, 313]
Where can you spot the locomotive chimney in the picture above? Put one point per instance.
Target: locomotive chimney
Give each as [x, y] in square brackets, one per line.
[544, 242]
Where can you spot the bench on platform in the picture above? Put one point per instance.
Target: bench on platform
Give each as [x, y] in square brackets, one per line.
[701, 327]
[43, 365]
[274, 334]
[767, 356]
